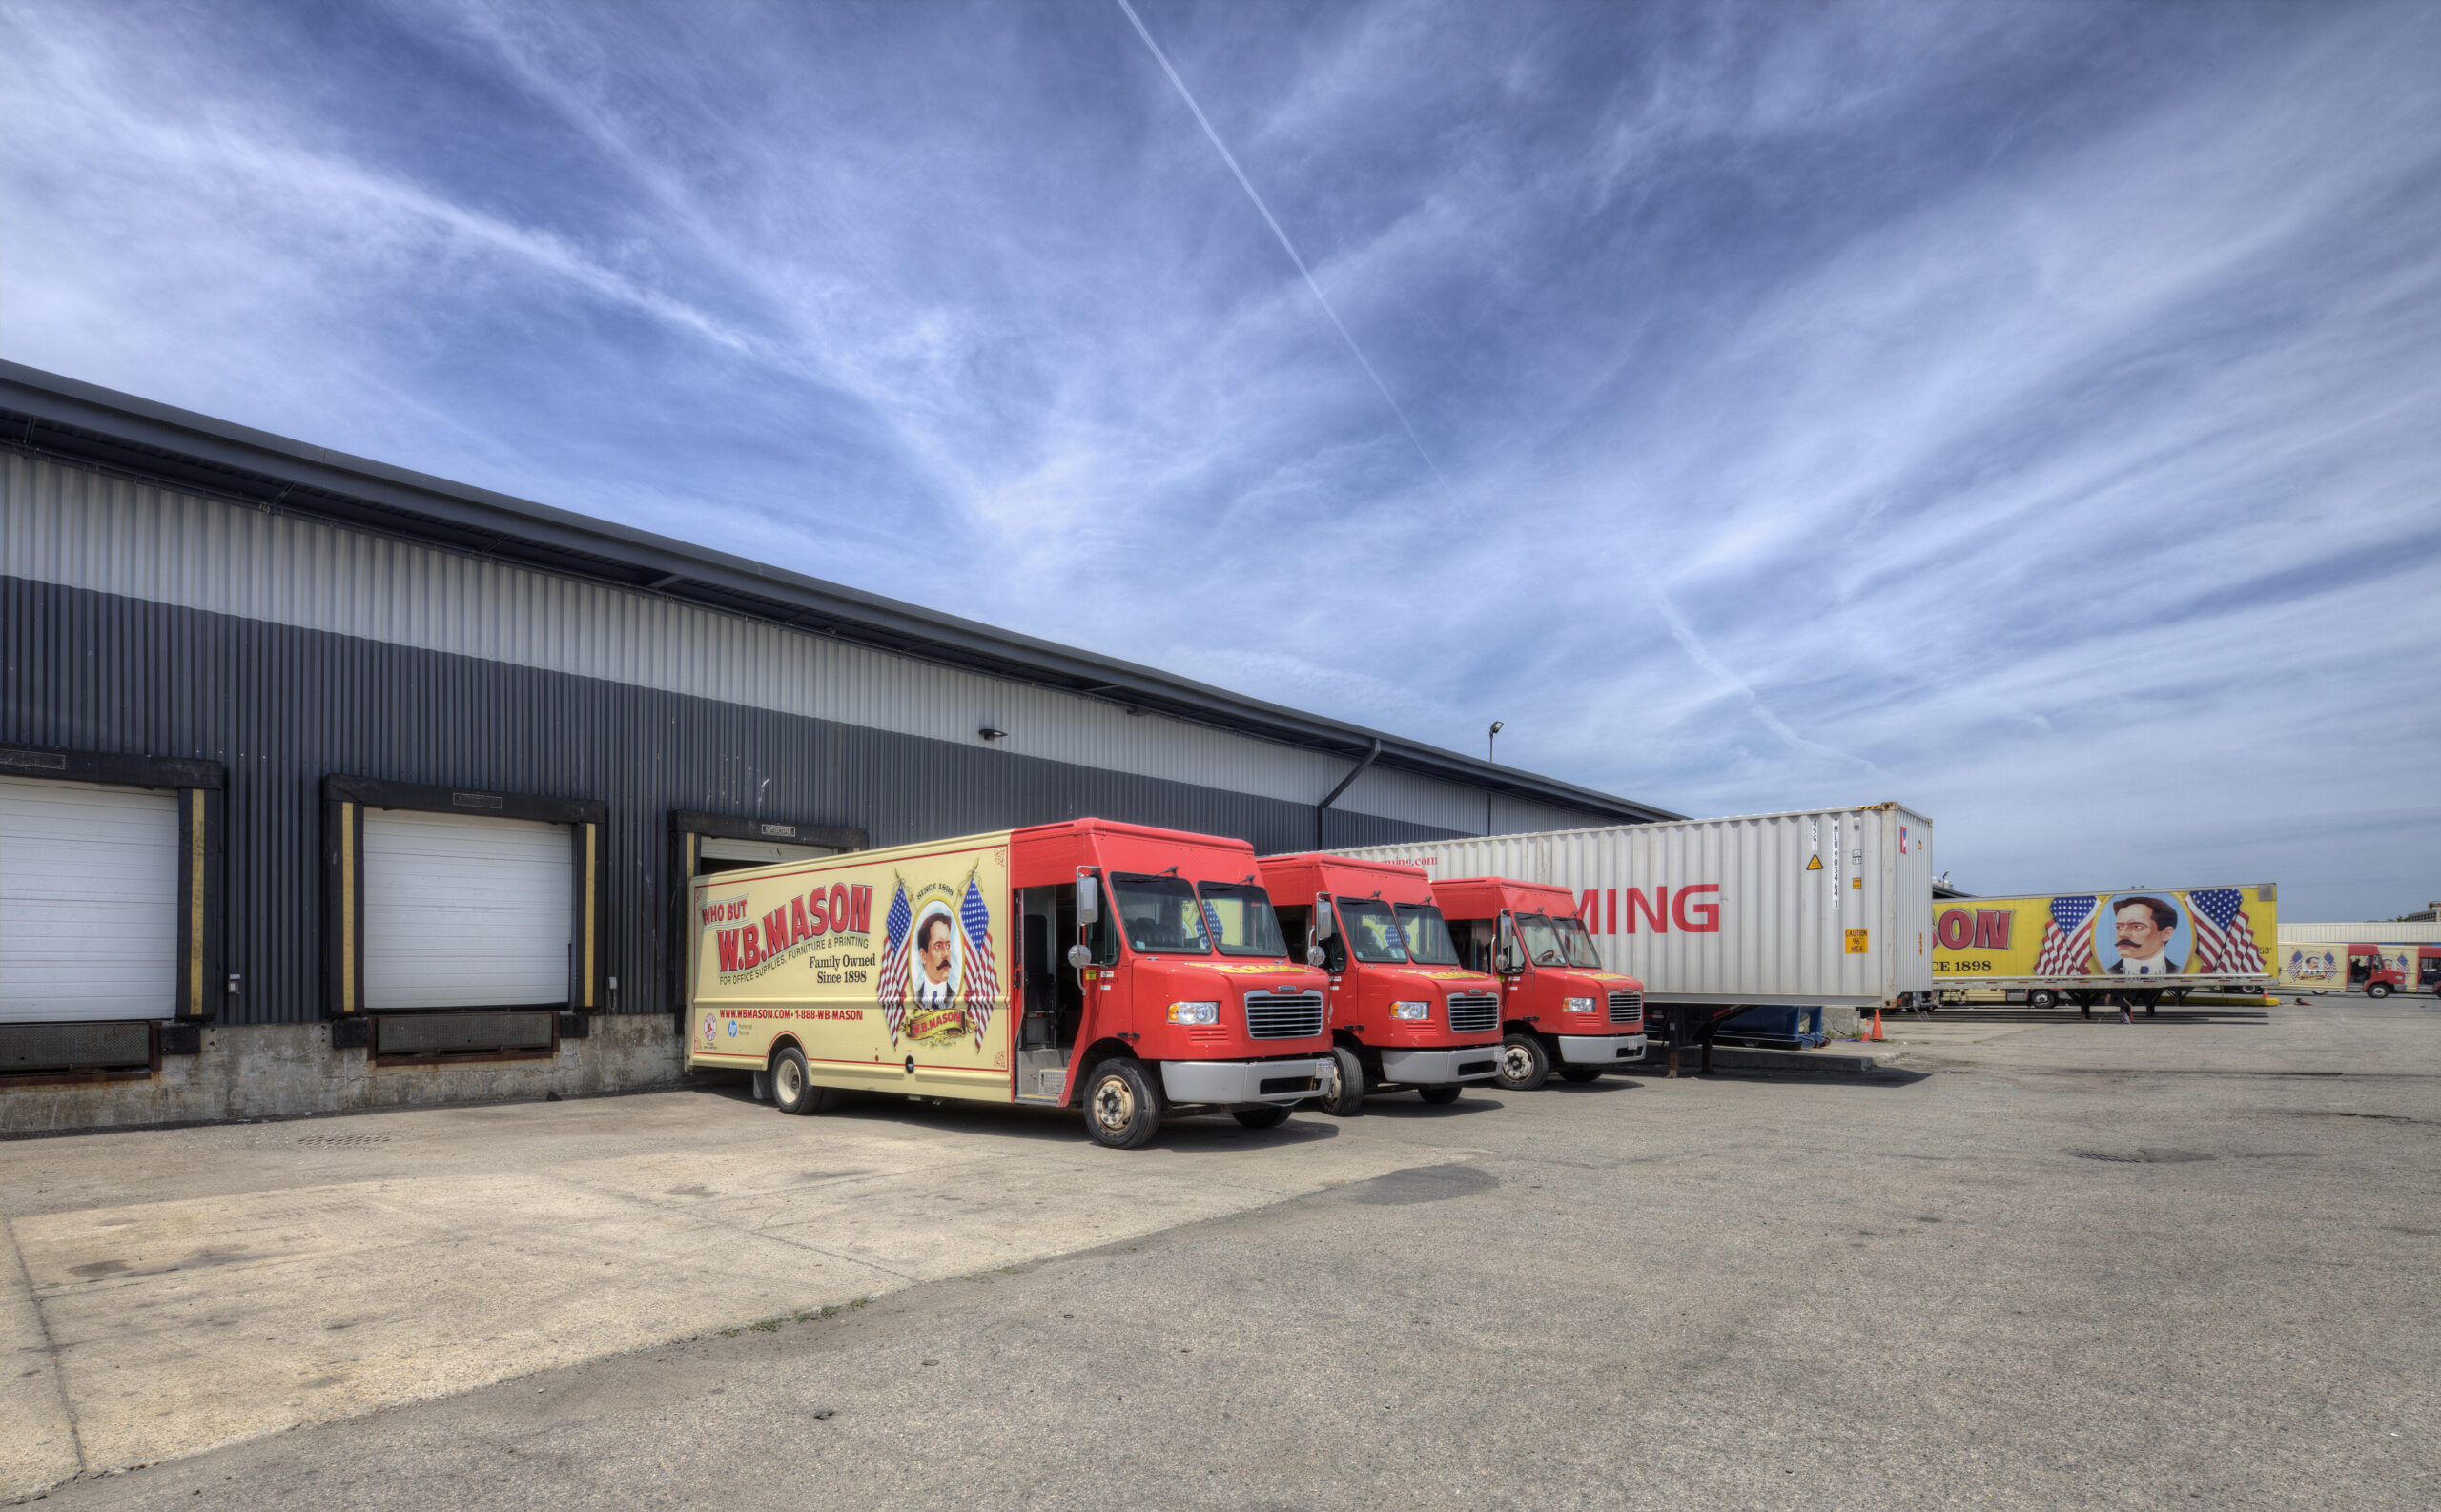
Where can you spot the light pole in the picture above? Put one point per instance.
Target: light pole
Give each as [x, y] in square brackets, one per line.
[1492, 743]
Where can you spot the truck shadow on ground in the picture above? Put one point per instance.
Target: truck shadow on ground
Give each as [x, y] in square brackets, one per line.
[1037, 1125]
[1881, 1079]
[1997, 1014]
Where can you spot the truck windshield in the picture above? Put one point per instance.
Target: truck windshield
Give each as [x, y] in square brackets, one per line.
[1243, 923]
[1541, 938]
[1428, 936]
[1579, 945]
[1160, 914]
[1372, 929]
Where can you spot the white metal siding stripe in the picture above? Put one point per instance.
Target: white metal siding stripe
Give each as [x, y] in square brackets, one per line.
[77, 528]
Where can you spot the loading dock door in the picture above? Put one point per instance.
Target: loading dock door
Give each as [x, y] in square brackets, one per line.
[89, 900]
[465, 912]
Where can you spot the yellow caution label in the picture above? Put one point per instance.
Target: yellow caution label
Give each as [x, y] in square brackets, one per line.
[1814, 864]
[1857, 942]
[1856, 881]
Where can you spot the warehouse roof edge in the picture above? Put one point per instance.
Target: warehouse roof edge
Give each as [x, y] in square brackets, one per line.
[46, 414]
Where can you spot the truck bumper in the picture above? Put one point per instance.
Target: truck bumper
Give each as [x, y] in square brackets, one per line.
[1281, 1081]
[1601, 1050]
[1434, 1068]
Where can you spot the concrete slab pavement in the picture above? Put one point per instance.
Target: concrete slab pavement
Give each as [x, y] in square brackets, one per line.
[183, 1289]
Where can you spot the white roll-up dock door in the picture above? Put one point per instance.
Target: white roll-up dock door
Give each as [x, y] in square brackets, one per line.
[464, 910]
[89, 902]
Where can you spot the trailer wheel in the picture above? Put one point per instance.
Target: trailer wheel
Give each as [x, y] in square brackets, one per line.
[1440, 1096]
[2377, 989]
[2040, 999]
[1580, 1074]
[792, 1087]
[1120, 1111]
[1524, 1065]
[1270, 1115]
[1343, 1093]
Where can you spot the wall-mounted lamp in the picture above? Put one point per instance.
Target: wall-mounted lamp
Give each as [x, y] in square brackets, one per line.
[991, 734]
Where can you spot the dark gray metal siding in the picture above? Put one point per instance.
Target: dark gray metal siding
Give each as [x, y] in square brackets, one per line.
[282, 707]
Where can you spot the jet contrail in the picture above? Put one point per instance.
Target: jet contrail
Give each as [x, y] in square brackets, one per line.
[1285, 245]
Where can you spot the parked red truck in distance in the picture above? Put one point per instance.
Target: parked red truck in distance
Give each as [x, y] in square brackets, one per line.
[1559, 1009]
[1404, 1013]
[2370, 971]
[1148, 977]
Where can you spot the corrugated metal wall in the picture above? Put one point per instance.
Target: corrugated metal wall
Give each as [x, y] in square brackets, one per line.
[281, 706]
[76, 528]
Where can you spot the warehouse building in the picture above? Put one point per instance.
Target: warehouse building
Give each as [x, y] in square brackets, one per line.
[326, 784]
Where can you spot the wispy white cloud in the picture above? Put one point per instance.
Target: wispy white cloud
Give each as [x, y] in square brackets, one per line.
[1997, 407]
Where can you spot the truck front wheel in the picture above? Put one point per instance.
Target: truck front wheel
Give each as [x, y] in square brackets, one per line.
[1438, 1097]
[1270, 1115]
[1121, 1110]
[1344, 1092]
[1524, 1065]
[2377, 989]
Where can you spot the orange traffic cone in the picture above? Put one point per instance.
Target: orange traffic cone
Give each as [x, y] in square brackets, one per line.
[1877, 1026]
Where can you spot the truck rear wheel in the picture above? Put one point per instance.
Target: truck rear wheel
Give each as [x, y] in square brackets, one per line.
[1343, 1091]
[1270, 1115]
[1121, 1109]
[2041, 998]
[1440, 1096]
[1524, 1065]
[792, 1087]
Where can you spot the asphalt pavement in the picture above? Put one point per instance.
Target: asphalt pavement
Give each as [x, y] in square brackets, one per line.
[2043, 1263]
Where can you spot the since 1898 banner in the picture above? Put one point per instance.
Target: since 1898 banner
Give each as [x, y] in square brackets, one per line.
[2112, 936]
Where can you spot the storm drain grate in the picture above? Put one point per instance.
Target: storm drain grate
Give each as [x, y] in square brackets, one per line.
[325, 1141]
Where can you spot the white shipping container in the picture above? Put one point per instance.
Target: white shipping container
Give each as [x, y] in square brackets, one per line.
[1826, 907]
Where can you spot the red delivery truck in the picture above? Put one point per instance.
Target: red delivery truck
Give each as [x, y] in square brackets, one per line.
[1559, 1008]
[2427, 968]
[2372, 971]
[1147, 976]
[1403, 1013]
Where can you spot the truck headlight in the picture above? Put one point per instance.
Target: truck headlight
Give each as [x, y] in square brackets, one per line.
[1195, 1013]
[1411, 1010]
[1577, 1004]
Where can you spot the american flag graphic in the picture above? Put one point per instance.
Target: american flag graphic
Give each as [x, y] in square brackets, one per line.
[2068, 939]
[892, 989]
[2222, 932]
[978, 973]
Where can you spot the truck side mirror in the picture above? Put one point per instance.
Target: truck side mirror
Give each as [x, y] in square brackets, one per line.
[1324, 920]
[1314, 956]
[1507, 959]
[1089, 897]
[1080, 956]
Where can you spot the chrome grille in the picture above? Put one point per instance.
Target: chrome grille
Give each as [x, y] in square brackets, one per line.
[1627, 1007]
[1473, 1012]
[1284, 1015]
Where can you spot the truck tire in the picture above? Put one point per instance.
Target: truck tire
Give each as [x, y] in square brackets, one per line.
[1580, 1074]
[2377, 989]
[2042, 997]
[1270, 1115]
[1121, 1112]
[1524, 1065]
[1343, 1094]
[1440, 1096]
[792, 1087]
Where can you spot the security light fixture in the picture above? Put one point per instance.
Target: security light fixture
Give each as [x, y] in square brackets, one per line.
[991, 734]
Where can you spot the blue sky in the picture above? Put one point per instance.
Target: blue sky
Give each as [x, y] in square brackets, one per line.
[2031, 413]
